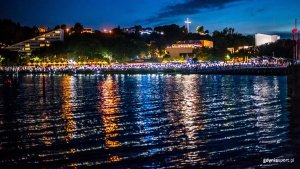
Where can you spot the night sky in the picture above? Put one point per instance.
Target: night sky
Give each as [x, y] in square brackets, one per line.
[246, 16]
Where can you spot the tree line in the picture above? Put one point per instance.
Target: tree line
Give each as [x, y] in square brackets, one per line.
[122, 47]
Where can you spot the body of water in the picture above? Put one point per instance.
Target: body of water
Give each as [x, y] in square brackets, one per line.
[150, 121]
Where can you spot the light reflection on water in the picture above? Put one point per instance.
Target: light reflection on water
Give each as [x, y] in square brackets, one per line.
[108, 110]
[145, 121]
[66, 106]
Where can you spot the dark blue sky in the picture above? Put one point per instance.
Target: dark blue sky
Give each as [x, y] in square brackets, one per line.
[246, 16]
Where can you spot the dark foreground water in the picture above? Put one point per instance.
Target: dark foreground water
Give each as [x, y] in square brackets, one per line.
[151, 121]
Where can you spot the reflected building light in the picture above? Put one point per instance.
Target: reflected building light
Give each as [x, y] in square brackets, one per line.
[114, 159]
[189, 106]
[189, 109]
[66, 108]
[73, 165]
[108, 109]
[267, 117]
[144, 94]
[148, 119]
[45, 124]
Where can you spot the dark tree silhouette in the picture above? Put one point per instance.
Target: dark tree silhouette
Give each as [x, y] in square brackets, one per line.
[78, 27]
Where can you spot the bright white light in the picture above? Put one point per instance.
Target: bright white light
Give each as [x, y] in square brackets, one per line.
[71, 61]
[187, 22]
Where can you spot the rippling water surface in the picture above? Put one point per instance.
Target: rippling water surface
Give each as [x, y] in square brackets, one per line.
[151, 121]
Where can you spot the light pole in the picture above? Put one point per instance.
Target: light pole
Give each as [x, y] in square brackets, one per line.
[295, 40]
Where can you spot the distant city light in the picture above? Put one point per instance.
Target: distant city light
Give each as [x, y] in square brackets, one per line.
[105, 30]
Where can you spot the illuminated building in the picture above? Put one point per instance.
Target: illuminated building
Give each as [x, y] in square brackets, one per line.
[87, 30]
[43, 29]
[147, 31]
[29, 45]
[261, 39]
[187, 47]
[128, 30]
[231, 50]
[143, 31]
[236, 50]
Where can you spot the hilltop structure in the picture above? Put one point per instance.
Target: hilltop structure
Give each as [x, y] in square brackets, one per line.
[262, 39]
[29, 45]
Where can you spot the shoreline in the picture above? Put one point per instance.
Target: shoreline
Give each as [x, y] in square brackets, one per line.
[263, 71]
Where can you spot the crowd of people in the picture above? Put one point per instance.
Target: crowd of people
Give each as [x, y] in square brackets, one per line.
[141, 66]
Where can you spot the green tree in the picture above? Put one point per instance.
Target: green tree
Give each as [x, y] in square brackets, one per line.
[9, 58]
[281, 48]
[172, 33]
[200, 29]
